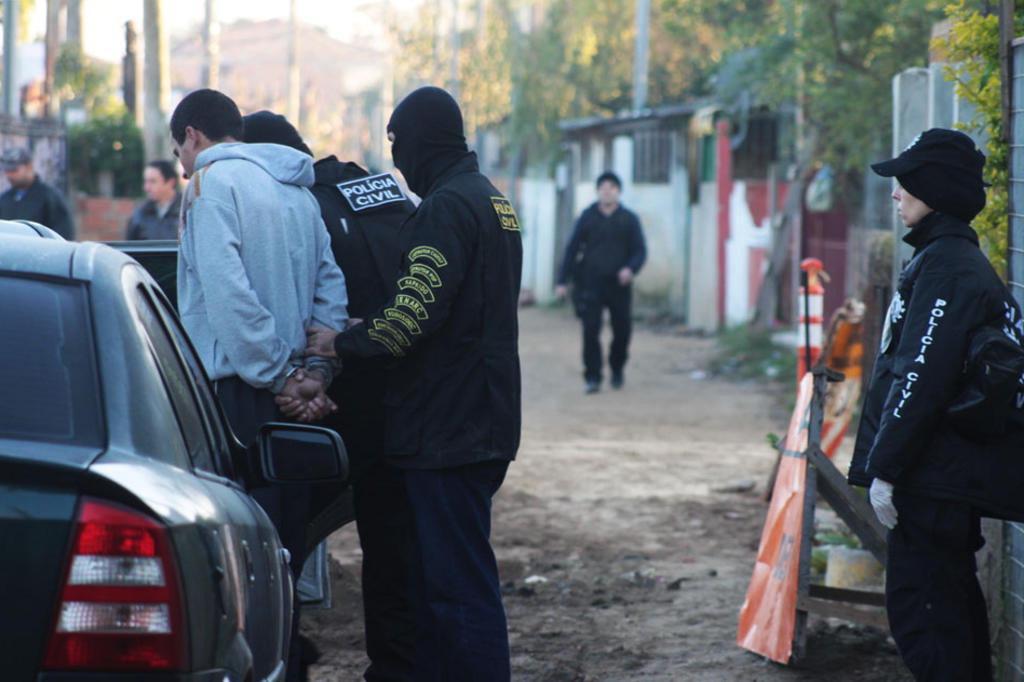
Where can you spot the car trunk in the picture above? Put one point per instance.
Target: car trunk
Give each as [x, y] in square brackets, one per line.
[36, 519]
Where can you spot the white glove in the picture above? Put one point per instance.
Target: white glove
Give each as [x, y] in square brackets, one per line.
[881, 499]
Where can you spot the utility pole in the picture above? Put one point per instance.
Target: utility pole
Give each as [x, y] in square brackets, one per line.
[131, 84]
[52, 51]
[640, 55]
[74, 22]
[10, 88]
[453, 76]
[293, 64]
[156, 73]
[211, 47]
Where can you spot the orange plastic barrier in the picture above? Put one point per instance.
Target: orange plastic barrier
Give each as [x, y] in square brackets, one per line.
[844, 351]
[768, 617]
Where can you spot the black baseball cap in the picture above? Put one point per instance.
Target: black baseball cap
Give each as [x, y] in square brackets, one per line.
[942, 168]
[13, 159]
[940, 146]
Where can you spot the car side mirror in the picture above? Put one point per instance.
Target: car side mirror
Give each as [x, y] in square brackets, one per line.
[296, 453]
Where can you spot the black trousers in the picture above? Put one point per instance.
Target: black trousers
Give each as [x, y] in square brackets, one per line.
[936, 608]
[384, 523]
[247, 408]
[462, 633]
[591, 302]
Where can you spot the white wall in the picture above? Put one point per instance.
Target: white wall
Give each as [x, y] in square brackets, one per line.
[702, 294]
[537, 214]
[744, 235]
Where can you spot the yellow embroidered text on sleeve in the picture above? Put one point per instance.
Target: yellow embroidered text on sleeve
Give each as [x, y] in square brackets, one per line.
[506, 214]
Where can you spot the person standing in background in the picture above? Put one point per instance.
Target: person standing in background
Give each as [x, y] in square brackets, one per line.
[604, 255]
[29, 198]
[158, 216]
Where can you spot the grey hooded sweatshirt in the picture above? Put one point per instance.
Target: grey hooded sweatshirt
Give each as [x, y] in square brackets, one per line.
[255, 267]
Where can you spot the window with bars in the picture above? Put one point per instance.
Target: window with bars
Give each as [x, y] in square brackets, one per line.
[652, 155]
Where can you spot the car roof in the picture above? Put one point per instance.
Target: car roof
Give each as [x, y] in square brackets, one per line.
[85, 261]
[27, 228]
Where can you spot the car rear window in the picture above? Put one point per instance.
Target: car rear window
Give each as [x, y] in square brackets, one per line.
[48, 386]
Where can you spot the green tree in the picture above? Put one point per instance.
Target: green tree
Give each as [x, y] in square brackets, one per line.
[80, 77]
[973, 47]
[575, 61]
[107, 143]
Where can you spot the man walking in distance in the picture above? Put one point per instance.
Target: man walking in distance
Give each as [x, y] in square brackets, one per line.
[254, 270]
[364, 225]
[29, 198]
[453, 416]
[157, 217]
[605, 253]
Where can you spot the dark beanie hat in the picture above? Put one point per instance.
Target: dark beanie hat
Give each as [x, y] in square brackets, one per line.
[609, 176]
[266, 126]
[942, 168]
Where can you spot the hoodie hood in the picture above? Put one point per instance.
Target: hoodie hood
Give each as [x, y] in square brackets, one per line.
[429, 137]
[284, 164]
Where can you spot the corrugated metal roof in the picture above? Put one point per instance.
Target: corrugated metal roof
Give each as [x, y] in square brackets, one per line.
[628, 118]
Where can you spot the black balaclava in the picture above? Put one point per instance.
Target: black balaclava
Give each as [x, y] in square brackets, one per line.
[429, 137]
[942, 168]
[266, 126]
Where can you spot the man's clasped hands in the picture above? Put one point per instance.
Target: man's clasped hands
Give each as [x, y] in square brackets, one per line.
[304, 396]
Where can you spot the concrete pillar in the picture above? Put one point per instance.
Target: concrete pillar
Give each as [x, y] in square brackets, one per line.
[910, 96]
[157, 81]
[940, 97]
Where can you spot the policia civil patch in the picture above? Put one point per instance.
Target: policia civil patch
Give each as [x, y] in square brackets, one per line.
[371, 191]
[506, 214]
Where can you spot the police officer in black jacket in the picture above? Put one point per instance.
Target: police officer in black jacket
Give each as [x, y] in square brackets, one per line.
[364, 214]
[453, 399]
[604, 254]
[933, 475]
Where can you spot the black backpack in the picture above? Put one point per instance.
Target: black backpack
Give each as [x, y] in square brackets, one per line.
[991, 382]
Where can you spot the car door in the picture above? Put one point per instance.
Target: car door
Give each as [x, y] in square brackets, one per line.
[246, 539]
[159, 259]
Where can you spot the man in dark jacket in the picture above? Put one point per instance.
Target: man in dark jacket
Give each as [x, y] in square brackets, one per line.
[29, 198]
[453, 399]
[605, 253]
[365, 243]
[931, 479]
[158, 216]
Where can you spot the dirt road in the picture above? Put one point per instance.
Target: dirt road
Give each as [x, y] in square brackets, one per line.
[621, 554]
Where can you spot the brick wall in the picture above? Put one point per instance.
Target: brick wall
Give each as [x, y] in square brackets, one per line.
[102, 219]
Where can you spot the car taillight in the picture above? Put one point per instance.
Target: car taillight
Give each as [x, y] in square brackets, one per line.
[120, 606]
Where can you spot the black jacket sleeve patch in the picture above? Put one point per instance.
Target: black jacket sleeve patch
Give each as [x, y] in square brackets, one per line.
[506, 214]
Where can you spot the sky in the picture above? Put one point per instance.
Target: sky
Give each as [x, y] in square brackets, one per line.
[104, 20]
